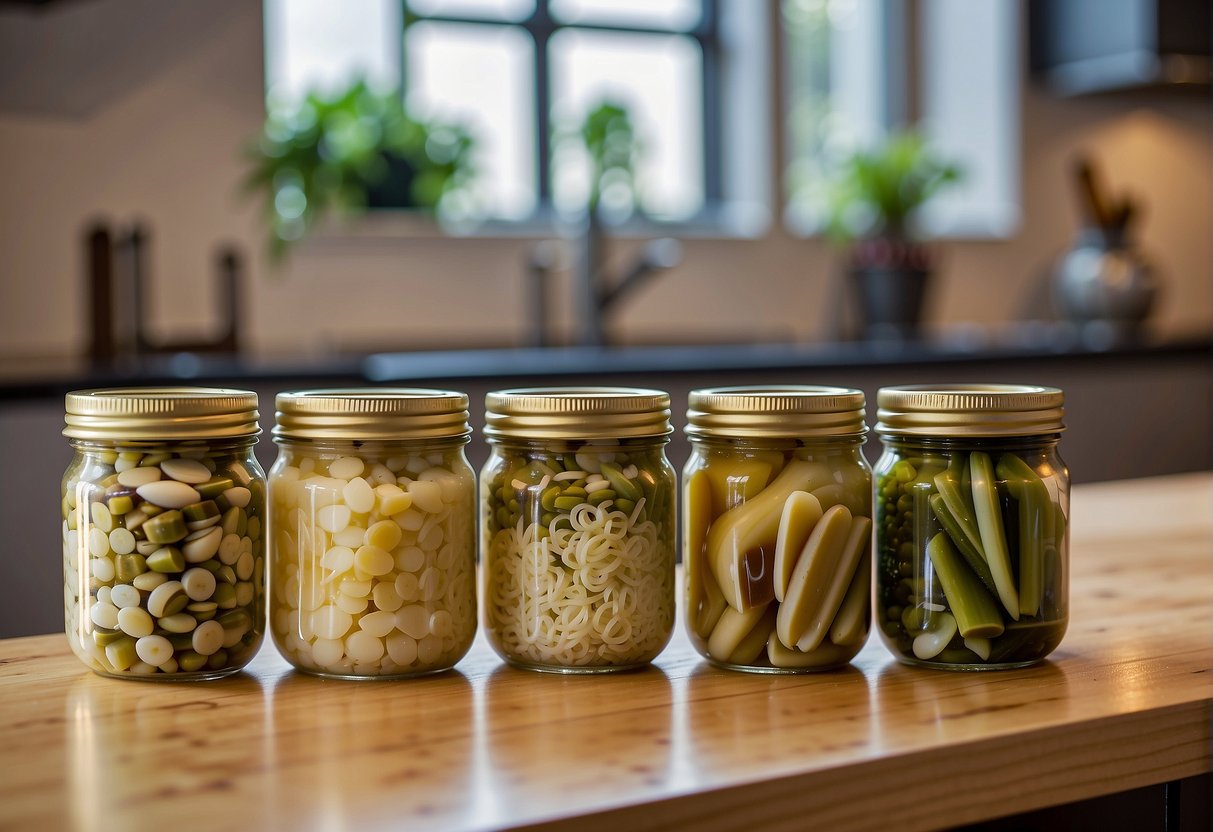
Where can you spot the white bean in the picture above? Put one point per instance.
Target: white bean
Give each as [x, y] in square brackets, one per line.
[169, 494]
[135, 477]
[135, 622]
[199, 583]
[186, 470]
[208, 638]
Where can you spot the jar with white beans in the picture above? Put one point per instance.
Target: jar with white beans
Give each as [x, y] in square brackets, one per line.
[373, 562]
[163, 512]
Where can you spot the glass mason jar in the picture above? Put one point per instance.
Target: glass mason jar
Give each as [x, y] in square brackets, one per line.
[163, 513]
[973, 502]
[578, 523]
[777, 507]
[373, 560]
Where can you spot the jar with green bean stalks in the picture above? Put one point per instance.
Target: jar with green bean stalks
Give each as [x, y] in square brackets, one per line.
[578, 528]
[373, 558]
[972, 508]
[163, 517]
[777, 507]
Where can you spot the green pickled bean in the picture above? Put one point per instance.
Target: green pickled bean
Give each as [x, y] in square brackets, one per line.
[975, 610]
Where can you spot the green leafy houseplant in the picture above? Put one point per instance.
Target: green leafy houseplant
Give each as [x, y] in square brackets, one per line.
[877, 192]
[348, 150]
[873, 203]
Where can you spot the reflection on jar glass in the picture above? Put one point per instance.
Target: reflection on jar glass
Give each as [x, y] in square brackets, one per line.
[972, 512]
[578, 528]
[373, 560]
[777, 527]
[163, 532]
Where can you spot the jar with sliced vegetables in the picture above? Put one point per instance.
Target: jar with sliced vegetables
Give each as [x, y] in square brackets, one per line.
[578, 528]
[972, 507]
[373, 558]
[777, 526]
[163, 512]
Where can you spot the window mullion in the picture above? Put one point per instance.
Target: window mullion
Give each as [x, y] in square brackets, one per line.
[541, 27]
[713, 190]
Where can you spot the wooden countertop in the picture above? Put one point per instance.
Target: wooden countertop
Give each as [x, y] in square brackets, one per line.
[1124, 702]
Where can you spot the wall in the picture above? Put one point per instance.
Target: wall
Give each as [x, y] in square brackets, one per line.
[168, 148]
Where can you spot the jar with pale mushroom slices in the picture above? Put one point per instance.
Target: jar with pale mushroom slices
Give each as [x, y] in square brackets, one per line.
[373, 557]
[777, 527]
[163, 511]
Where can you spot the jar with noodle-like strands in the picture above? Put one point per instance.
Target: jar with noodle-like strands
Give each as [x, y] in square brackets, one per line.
[578, 528]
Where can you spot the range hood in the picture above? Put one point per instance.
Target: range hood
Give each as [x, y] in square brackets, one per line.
[1078, 47]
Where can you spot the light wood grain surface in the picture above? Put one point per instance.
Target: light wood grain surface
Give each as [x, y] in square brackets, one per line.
[1124, 702]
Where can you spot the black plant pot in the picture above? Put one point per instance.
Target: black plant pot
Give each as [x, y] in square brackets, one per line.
[395, 189]
[890, 301]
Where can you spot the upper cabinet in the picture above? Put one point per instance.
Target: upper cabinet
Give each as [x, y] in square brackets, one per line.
[1090, 46]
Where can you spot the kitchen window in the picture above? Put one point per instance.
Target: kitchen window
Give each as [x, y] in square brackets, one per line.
[698, 76]
[856, 69]
[520, 74]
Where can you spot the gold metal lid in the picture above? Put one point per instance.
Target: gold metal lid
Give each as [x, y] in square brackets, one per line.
[969, 410]
[777, 411]
[577, 413]
[177, 413]
[372, 414]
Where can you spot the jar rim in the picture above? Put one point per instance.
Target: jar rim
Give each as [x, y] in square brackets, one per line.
[969, 410]
[786, 411]
[577, 413]
[160, 413]
[371, 414]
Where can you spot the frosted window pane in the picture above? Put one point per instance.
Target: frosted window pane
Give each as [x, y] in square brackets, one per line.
[321, 45]
[658, 78]
[663, 14]
[970, 112]
[835, 77]
[481, 77]
[502, 9]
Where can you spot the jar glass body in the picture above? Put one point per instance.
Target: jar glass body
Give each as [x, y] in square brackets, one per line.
[784, 526]
[163, 556]
[578, 552]
[373, 561]
[972, 550]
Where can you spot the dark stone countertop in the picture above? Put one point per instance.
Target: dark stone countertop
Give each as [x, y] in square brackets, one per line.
[41, 379]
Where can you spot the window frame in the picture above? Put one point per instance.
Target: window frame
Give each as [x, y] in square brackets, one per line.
[541, 26]
[901, 40]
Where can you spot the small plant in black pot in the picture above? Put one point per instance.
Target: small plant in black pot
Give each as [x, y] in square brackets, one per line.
[350, 150]
[873, 203]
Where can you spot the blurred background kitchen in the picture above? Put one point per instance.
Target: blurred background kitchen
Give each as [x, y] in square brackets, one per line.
[674, 193]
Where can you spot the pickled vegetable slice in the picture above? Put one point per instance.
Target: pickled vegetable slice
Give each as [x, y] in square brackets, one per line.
[755, 642]
[827, 655]
[801, 511]
[975, 611]
[736, 481]
[1036, 521]
[964, 545]
[989, 523]
[731, 630]
[811, 581]
[850, 625]
[704, 598]
[853, 551]
[742, 540]
[959, 502]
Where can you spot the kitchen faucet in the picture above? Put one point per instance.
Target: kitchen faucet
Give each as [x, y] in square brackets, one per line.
[596, 293]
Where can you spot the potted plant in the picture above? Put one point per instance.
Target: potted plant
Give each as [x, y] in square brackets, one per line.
[351, 150]
[873, 203]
